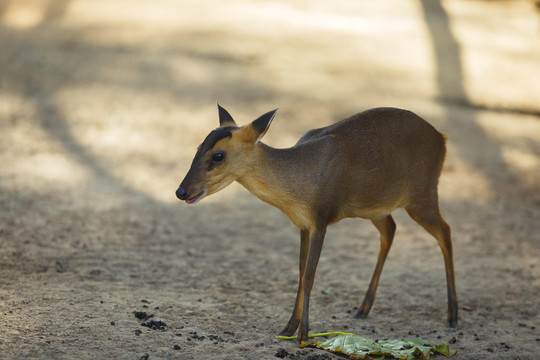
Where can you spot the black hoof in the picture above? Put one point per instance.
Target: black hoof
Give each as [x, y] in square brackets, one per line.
[302, 338]
[452, 324]
[361, 315]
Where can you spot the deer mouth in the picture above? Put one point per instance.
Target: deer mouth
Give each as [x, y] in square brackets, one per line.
[196, 198]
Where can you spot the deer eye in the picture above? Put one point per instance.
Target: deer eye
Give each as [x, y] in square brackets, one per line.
[218, 157]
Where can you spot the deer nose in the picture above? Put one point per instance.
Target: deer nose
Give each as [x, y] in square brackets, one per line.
[182, 194]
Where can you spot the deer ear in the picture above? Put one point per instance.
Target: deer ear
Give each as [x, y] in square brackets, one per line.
[260, 126]
[225, 119]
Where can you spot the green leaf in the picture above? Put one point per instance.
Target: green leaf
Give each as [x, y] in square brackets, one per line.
[364, 348]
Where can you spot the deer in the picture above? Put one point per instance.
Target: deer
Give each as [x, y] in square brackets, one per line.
[364, 166]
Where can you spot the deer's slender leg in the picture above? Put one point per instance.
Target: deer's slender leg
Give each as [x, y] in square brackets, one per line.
[387, 229]
[316, 244]
[296, 315]
[429, 217]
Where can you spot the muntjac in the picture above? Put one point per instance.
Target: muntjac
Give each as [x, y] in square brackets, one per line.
[364, 166]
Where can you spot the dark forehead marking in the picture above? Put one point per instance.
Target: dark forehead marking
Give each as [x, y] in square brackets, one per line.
[214, 137]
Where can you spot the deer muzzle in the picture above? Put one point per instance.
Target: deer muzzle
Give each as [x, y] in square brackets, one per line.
[182, 194]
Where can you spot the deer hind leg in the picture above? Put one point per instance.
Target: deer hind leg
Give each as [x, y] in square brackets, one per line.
[387, 229]
[429, 217]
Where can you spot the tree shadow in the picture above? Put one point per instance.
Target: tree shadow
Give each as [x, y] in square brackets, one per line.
[461, 113]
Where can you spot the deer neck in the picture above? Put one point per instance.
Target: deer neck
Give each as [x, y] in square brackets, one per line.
[273, 176]
[265, 176]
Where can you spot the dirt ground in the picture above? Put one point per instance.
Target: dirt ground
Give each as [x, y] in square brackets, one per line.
[102, 104]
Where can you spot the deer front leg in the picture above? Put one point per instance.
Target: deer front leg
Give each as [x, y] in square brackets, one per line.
[316, 243]
[294, 321]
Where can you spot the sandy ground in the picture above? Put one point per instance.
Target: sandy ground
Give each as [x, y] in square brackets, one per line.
[102, 104]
